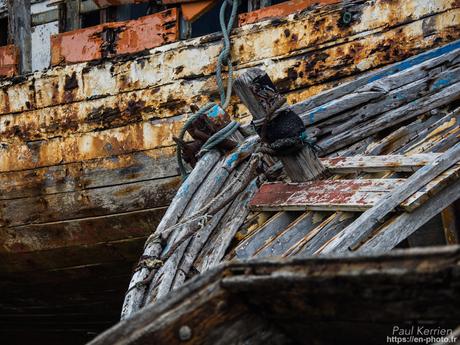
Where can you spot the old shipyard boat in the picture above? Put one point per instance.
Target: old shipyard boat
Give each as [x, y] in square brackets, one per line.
[88, 170]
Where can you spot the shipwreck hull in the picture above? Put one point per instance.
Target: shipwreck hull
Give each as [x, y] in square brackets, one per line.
[356, 300]
[87, 162]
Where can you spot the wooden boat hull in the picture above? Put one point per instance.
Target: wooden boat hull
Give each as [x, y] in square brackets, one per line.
[87, 165]
[356, 300]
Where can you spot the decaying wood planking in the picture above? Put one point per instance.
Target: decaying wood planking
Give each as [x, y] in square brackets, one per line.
[297, 293]
[325, 195]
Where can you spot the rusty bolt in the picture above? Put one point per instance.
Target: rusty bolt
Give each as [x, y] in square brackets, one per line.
[185, 333]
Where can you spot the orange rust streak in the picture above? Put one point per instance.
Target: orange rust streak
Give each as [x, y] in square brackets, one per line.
[9, 58]
[130, 37]
[280, 10]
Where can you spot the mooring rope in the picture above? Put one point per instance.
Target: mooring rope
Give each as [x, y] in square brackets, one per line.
[225, 95]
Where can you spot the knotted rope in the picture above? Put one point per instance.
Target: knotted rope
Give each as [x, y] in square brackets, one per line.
[225, 95]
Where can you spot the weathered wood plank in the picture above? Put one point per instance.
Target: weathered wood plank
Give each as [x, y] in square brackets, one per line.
[217, 246]
[362, 163]
[116, 170]
[135, 295]
[362, 228]
[80, 232]
[102, 144]
[269, 230]
[391, 118]
[450, 225]
[143, 72]
[396, 230]
[88, 203]
[325, 195]
[290, 236]
[433, 187]
[19, 31]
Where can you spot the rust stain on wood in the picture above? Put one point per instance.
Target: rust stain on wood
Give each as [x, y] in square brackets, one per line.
[112, 39]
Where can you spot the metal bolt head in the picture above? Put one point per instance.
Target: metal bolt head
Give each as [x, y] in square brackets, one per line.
[185, 333]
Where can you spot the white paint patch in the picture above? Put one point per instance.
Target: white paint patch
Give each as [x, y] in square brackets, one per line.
[41, 38]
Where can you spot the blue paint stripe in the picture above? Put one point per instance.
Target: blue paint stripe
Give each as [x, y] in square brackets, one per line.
[415, 60]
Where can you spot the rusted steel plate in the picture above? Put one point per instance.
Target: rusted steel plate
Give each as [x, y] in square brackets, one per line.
[293, 36]
[79, 232]
[290, 74]
[360, 163]
[279, 10]
[9, 60]
[88, 203]
[112, 39]
[326, 195]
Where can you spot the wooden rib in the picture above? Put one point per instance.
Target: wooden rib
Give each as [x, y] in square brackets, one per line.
[265, 233]
[362, 228]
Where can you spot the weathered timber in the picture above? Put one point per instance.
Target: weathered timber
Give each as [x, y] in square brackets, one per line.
[217, 246]
[257, 4]
[88, 203]
[161, 284]
[19, 31]
[431, 188]
[270, 229]
[361, 229]
[396, 230]
[136, 292]
[115, 170]
[450, 225]
[324, 195]
[139, 73]
[362, 163]
[298, 293]
[79, 232]
[391, 118]
[259, 94]
[392, 86]
[72, 15]
[294, 232]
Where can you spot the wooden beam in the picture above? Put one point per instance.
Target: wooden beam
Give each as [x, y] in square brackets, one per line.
[19, 31]
[358, 232]
[361, 163]
[284, 131]
[324, 195]
[450, 225]
[72, 15]
[390, 234]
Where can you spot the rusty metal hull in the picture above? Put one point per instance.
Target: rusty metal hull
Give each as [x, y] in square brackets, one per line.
[87, 162]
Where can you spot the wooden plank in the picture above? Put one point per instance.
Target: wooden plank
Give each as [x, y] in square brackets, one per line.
[361, 229]
[393, 232]
[290, 236]
[72, 15]
[80, 232]
[136, 292]
[19, 31]
[362, 163]
[88, 203]
[147, 69]
[264, 234]
[435, 186]
[116, 170]
[326, 195]
[450, 225]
